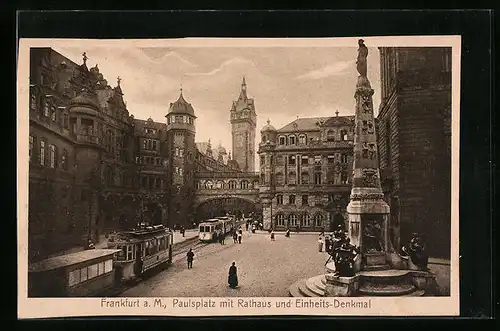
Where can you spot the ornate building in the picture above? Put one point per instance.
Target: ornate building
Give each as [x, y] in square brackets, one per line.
[94, 168]
[243, 122]
[305, 172]
[414, 140]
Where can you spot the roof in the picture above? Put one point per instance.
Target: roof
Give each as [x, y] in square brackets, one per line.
[268, 127]
[313, 123]
[85, 99]
[181, 106]
[140, 124]
[70, 259]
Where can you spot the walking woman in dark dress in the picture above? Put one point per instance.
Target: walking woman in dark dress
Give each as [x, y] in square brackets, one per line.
[233, 276]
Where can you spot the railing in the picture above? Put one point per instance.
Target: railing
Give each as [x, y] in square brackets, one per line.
[85, 138]
[228, 175]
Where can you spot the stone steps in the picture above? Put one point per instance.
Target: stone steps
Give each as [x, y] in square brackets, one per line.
[372, 283]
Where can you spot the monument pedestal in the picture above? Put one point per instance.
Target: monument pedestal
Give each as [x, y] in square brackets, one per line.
[341, 286]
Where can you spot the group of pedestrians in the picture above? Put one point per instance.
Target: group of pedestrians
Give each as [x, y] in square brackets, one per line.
[237, 236]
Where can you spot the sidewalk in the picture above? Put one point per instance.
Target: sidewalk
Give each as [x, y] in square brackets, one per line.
[190, 234]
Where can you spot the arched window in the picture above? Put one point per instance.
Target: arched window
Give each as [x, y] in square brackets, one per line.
[244, 184]
[318, 220]
[209, 185]
[255, 184]
[280, 180]
[232, 184]
[280, 220]
[291, 199]
[282, 140]
[302, 139]
[306, 220]
[52, 156]
[292, 140]
[220, 184]
[279, 199]
[197, 185]
[292, 220]
[343, 134]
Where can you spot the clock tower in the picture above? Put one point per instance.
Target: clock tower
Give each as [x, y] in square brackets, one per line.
[243, 123]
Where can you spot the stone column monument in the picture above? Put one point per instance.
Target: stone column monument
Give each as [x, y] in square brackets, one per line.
[368, 213]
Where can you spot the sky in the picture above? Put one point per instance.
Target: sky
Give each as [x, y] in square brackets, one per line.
[285, 82]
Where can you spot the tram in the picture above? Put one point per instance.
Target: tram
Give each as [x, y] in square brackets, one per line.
[210, 230]
[141, 250]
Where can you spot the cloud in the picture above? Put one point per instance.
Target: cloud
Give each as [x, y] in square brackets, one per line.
[161, 56]
[336, 69]
[228, 63]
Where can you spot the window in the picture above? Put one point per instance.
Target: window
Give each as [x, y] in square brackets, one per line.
[46, 109]
[292, 178]
[53, 113]
[317, 178]
[279, 160]
[108, 266]
[42, 152]
[305, 160]
[145, 144]
[292, 219]
[291, 160]
[92, 271]
[154, 144]
[209, 185]
[279, 199]
[343, 135]
[306, 221]
[232, 184]
[281, 140]
[304, 178]
[33, 100]
[220, 184]
[331, 159]
[317, 160]
[32, 144]
[291, 140]
[83, 274]
[344, 158]
[291, 200]
[318, 220]
[64, 159]
[176, 153]
[244, 184]
[305, 200]
[279, 179]
[344, 177]
[330, 135]
[74, 277]
[52, 156]
[302, 139]
[280, 220]
[179, 119]
[181, 152]
[262, 160]
[130, 252]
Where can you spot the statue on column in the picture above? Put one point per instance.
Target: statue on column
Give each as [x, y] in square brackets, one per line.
[361, 63]
[416, 251]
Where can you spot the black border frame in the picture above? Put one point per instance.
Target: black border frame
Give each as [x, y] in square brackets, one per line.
[477, 246]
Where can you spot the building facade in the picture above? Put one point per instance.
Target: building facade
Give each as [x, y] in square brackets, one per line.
[94, 168]
[414, 141]
[243, 123]
[305, 173]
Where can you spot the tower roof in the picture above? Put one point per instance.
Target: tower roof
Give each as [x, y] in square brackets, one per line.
[181, 106]
[85, 99]
[268, 127]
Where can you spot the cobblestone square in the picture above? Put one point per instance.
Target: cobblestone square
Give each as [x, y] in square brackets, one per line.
[265, 268]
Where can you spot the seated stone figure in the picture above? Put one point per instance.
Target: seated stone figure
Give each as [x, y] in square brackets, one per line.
[344, 259]
[416, 251]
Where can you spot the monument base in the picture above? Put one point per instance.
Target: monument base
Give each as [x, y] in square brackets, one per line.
[341, 286]
[426, 281]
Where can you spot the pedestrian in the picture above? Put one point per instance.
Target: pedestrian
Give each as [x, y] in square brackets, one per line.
[190, 257]
[297, 229]
[272, 235]
[320, 243]
[235, 237]
[222, 238]
[233, 276]
[287, 233]
[183, 230]
[239, 238]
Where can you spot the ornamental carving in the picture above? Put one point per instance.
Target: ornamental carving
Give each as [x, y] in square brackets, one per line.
[369, 151]
[367, 127]
[366, 103]
[370, 177]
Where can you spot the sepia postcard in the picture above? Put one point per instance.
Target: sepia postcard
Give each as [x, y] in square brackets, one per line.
[238, 177]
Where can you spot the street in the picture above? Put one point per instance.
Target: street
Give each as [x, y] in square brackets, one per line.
[265, 268]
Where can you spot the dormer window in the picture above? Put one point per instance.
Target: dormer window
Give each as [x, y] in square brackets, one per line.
[292, 140]
[343, 135]
[302, 139]
[282, 141]
[330, 135]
